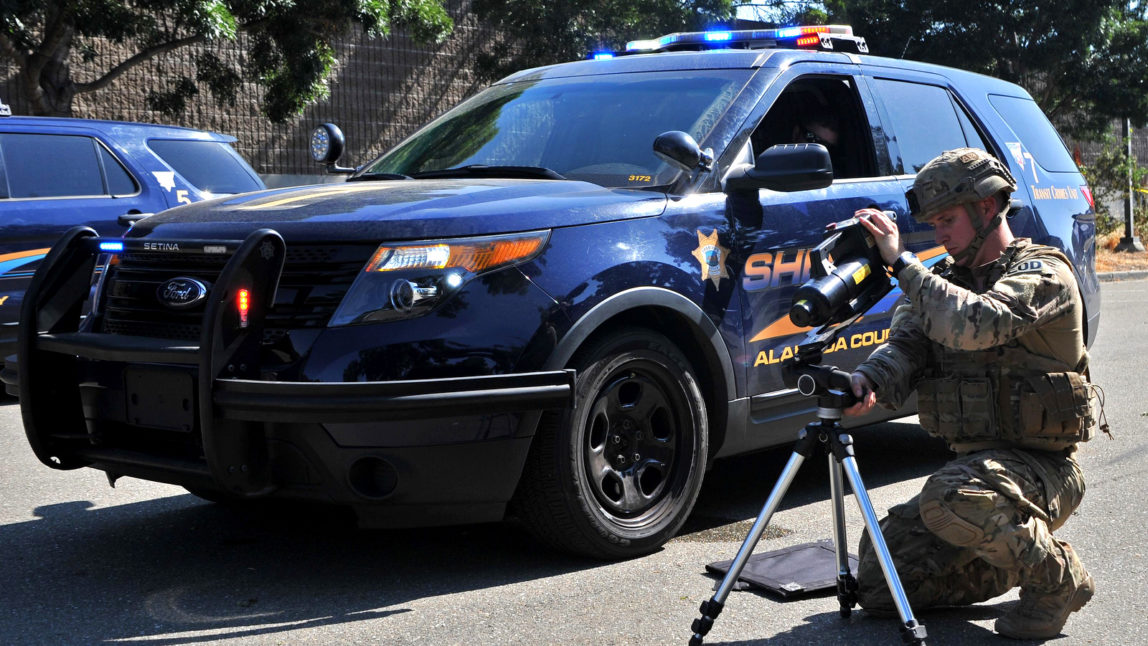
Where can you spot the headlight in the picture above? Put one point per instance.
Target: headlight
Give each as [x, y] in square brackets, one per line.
[405, 280]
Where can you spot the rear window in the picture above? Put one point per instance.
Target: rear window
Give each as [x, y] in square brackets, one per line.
[210, 166]
[1041, 140]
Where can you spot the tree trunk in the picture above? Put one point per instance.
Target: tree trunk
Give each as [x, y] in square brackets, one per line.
[47, 77]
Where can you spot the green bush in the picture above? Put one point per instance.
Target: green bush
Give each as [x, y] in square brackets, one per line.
[1107, 176]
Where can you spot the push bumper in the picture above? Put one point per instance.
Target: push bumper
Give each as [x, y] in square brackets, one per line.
[73, 383]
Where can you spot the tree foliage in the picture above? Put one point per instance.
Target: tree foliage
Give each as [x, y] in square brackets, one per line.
[1084, 61]
[291, 49]
[542, 33]
[1107, 176]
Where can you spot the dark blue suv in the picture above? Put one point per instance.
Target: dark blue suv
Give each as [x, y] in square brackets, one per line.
[562, 300]
[56, 173]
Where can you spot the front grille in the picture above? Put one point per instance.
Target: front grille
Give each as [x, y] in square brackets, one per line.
[315, 279]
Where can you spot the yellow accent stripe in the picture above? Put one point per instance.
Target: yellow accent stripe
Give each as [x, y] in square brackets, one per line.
[318, 193]
[784, 327]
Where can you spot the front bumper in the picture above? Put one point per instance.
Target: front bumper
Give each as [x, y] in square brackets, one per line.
[404, 452]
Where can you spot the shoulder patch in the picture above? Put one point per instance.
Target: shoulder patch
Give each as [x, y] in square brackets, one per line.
[1027, 267]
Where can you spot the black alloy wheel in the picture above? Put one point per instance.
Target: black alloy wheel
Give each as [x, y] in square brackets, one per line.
[617, 476]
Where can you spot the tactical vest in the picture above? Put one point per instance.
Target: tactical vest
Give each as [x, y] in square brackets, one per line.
[1006, 396]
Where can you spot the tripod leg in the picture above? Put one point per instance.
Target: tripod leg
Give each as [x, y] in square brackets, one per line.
[911, 631]
[712, 608]
[846, 584]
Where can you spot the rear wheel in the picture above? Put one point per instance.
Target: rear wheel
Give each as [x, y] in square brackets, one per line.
[617, 476]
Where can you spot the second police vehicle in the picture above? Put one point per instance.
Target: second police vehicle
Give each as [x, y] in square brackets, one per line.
[564, 299]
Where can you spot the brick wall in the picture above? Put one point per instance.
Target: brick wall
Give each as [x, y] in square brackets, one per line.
[381, 91]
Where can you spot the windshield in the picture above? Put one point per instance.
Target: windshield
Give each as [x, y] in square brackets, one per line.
[598, 129]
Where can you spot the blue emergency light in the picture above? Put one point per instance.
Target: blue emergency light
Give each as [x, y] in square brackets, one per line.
[111, 246]
[822, 37]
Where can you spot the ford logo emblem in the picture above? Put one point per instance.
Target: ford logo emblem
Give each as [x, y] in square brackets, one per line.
[181, 293]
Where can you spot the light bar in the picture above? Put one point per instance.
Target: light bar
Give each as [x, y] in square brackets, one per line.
[111, 246]
[808, 35]
[602, 56]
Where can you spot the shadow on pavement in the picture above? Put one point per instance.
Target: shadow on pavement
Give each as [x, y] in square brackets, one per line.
[166, 570]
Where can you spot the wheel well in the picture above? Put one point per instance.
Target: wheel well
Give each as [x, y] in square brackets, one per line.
[690, 341]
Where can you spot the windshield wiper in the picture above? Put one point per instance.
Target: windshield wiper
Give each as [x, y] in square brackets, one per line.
[368, 177]
[480, 170]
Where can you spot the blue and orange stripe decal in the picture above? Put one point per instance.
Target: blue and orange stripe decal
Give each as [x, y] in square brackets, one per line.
[783, 327]
[12, 261]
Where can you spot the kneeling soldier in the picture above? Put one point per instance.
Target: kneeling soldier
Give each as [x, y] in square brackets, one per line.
[992, 340]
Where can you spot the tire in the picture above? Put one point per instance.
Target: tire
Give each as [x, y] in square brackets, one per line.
[636, 395]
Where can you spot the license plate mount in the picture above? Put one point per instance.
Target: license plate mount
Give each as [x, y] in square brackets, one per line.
[162, 398]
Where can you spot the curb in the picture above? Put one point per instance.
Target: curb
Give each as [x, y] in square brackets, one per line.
[1113, 276]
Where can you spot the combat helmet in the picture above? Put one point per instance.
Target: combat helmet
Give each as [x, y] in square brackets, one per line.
[961, 176]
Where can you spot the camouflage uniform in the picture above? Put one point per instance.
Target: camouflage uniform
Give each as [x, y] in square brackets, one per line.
[980, 346]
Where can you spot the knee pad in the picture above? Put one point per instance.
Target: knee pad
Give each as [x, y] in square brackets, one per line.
[942, 522]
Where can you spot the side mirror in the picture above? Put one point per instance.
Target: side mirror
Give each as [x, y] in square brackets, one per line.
[680, 150]
[327, 144]
[785, 167]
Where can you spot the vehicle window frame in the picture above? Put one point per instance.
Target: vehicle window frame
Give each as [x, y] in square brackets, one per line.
[778, 82]
[92, 140]
[959, 104]
[860, 128]
[127, 170]
[4, 192]
[236, 158]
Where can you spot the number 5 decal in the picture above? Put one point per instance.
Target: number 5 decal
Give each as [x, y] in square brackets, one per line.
[181, 197]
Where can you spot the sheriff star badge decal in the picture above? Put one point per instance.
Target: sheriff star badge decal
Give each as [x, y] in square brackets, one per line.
[712, 256]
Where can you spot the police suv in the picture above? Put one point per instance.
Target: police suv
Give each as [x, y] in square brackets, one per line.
[56, 173]
[562, 300]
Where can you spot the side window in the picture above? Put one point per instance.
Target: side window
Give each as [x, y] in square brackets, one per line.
[926, 121]
[824, 110]
[120, 182]
[51, 165]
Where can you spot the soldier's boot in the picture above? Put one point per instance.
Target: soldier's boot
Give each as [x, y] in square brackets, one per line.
[1043, 610]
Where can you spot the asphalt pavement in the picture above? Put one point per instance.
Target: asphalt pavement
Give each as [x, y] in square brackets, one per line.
[145, 563]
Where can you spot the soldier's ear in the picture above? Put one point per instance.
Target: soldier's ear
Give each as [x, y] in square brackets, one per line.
[988, 207]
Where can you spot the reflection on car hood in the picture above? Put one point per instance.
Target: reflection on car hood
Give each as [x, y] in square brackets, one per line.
[403, 210]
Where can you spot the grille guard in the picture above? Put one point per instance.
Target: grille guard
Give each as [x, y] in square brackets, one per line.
[232, 406]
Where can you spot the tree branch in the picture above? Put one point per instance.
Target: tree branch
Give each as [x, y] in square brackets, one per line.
[152, 52]
[137, 59]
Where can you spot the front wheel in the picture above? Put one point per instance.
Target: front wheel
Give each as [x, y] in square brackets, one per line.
[617, 476]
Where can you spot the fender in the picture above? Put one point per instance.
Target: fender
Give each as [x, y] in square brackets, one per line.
[730, 418]
[643, 297]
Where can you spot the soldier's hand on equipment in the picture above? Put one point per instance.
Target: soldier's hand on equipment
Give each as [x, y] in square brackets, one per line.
[864, 392]
[884, 231]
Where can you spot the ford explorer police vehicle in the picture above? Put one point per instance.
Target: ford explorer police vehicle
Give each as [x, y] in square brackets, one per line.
[56, 173]
[562, 300]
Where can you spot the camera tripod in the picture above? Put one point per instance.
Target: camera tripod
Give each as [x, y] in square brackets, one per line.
[832, 388]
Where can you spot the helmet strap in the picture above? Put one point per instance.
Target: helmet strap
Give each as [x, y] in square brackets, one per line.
[983, 230]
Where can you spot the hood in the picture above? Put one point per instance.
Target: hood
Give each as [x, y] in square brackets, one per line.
[403, 210]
